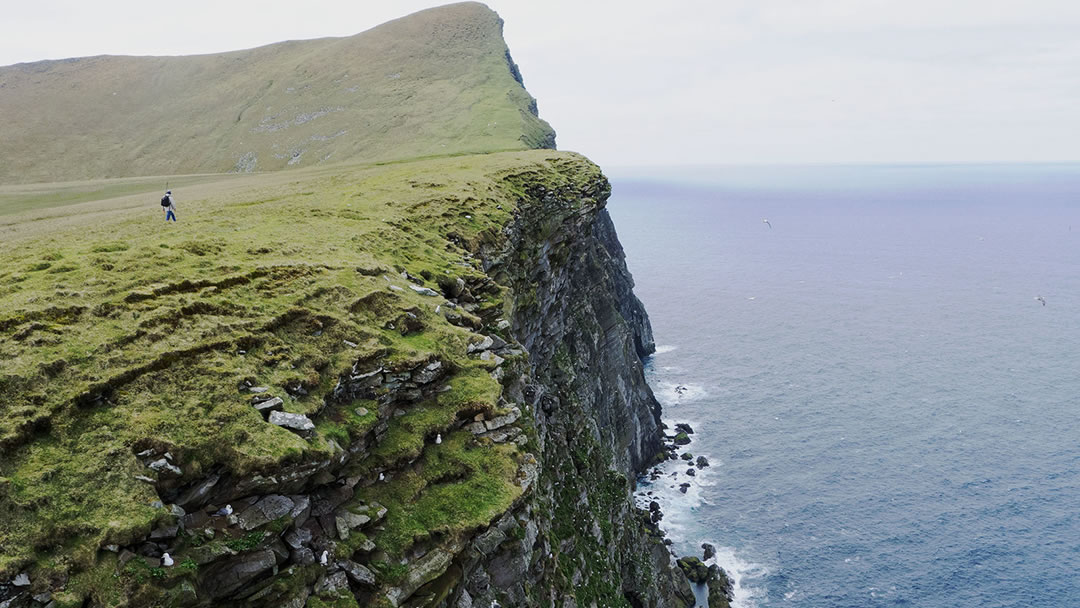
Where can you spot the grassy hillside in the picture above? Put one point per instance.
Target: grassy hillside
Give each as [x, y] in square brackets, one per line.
[122, 333]
[438, 82]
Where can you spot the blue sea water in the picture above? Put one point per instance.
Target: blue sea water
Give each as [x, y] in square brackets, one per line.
[891, 416]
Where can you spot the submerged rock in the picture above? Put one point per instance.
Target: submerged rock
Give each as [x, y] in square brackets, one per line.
[709, 551]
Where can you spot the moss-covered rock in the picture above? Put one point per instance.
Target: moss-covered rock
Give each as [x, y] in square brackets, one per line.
[695, 570]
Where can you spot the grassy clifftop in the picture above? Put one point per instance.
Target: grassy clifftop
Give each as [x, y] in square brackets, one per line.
[437, 82]
[122, 334]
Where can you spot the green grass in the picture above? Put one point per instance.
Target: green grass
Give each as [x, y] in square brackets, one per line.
[35, 197]
[146, 342]
[472, 390]
[458, 486]
[434, 83]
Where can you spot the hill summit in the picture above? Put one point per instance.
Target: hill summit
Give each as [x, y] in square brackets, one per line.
[440, 81]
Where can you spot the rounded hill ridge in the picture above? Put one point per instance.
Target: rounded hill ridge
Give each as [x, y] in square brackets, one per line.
[440, 81]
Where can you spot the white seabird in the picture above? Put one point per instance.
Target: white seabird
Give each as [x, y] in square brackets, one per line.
[1041, 299]
[438, 439]
[767, 223]
[167, 560]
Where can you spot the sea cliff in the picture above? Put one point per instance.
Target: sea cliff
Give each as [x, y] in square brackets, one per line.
[409, 379]
[450, 411]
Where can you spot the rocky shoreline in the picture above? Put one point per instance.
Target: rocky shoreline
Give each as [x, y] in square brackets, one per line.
[715, 582]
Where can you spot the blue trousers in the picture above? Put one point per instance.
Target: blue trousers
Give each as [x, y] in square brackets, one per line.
[170, 214]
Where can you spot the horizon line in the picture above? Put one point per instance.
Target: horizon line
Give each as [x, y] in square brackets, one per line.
[898, 163]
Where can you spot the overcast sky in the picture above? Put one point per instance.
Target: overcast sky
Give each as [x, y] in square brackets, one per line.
[677, 82]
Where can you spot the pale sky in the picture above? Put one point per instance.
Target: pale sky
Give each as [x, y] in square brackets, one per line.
[693, 81]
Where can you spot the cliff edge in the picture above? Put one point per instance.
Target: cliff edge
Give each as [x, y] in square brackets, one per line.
[417, 384]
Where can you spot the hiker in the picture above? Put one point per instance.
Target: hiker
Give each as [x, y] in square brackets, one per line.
[168, 206]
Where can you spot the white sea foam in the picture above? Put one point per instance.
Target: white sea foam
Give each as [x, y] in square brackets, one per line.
[664, 348]
[669, 393]
[746, 576]
[681, 520]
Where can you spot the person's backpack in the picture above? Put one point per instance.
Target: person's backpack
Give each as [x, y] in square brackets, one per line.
[165, 202]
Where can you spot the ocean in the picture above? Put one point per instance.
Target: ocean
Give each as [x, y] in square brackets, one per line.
[891, 416]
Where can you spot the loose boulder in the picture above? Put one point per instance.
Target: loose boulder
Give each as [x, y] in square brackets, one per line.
[264, 407]
[358, 573]
[265, 511]
[294, 422]
[709, 551]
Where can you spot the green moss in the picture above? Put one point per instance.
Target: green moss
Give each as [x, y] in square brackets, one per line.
[389, 574]
[343, 600]
[458, 486]
[247, 542]
[189, 565]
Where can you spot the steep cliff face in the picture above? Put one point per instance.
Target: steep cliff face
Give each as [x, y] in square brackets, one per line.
[598, 422]
[443, 405]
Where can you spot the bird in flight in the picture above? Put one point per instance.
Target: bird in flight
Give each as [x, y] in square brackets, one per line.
[1041, 299]
[767, 222]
